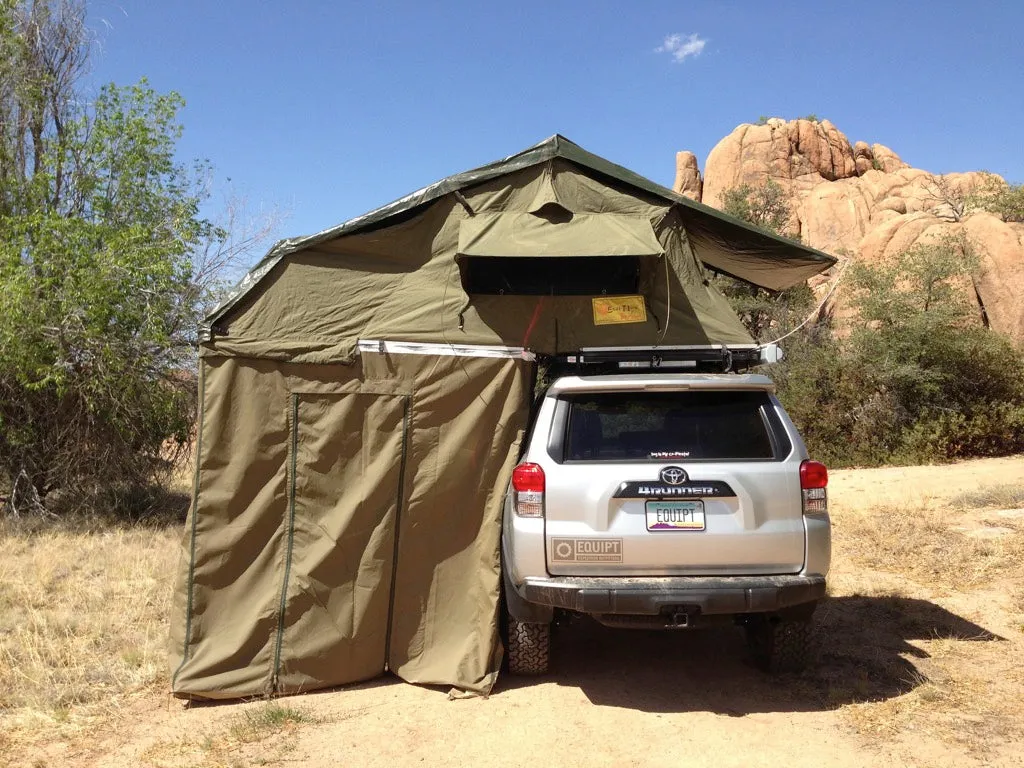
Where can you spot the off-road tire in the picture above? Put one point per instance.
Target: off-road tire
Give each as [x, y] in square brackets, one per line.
[780, 646]
[529, 647]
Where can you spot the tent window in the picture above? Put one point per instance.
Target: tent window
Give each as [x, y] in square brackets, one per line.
[568, 276]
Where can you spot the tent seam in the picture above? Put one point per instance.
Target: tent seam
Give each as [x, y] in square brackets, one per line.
[291, 540]
[192, 533]
[398, 521]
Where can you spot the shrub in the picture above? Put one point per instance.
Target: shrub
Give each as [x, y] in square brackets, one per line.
[764, 313]
[765, 205]
[104, 270]
[917, 379]
[1008, 203]
[100, 309]
[996, 196]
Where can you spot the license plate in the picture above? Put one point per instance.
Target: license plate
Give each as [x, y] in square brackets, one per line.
[675, 515]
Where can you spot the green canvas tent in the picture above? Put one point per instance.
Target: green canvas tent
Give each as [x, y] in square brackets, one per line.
[364, 392]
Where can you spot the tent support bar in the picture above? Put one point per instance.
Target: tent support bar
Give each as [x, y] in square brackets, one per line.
[380, 346]
[464, 202]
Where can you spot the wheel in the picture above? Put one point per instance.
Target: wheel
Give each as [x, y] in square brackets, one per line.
[780, 646]
[529, 647]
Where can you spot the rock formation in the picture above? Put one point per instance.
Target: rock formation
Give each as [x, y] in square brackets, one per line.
[689, 182]
[863, 201]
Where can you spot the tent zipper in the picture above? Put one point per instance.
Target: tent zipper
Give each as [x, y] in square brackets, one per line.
[275, 674]
[398, 526]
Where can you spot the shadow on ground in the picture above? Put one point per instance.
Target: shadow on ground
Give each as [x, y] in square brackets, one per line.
[864, 654]
[152, 506]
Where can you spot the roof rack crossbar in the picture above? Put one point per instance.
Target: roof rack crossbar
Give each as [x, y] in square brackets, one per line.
[719, 356]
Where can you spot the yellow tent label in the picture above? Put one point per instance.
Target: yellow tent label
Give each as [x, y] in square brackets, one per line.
[611, 310]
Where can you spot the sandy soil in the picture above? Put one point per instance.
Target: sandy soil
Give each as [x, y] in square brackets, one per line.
[854, 488]
[627, 698]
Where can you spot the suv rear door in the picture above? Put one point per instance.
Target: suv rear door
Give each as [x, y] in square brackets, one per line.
[683, 477]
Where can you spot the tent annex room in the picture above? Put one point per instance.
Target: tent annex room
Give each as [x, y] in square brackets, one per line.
[364, 393]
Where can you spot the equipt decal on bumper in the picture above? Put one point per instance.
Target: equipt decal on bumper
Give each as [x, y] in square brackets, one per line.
[586, 550]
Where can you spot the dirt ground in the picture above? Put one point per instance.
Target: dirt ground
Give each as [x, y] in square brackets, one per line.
[919, 665]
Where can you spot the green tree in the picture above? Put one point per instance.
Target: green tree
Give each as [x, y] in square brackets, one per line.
[106, 265]
[765, 205]
[996, 196]
[765, 313]
[1008, 203]
[918, 377]
[920, 331]
[96, 280]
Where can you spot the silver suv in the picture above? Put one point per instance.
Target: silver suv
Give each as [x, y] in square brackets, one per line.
[665, 501]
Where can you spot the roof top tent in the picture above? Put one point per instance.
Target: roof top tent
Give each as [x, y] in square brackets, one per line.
[364, 392]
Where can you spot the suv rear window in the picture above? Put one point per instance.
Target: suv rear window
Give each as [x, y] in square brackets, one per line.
[618, 426]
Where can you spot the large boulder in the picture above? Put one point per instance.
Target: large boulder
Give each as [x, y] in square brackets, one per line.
[999, 245]
[798, 154]
[1001, 282]
[863, 157]
[689, 182]
[862, 201]
[885, 159]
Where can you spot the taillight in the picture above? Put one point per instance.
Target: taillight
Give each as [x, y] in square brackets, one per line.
[813, 485]
[528, 490]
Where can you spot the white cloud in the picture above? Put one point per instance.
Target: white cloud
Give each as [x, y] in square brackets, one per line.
[680, 48]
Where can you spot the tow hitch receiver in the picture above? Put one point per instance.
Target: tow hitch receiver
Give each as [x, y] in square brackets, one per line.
[678, 620]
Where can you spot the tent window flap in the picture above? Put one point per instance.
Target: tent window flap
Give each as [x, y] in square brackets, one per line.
[519, 235]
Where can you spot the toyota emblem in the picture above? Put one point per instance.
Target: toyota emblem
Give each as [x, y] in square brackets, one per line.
[673, 475]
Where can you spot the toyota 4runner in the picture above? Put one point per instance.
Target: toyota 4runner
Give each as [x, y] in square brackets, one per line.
[665, 501]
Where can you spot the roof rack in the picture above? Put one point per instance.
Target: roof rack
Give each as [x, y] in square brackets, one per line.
[718, 357]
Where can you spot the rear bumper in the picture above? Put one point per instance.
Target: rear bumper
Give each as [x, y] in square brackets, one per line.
[707, 595]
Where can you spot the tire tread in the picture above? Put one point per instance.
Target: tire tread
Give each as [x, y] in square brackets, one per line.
[529, 648]
[781, 647]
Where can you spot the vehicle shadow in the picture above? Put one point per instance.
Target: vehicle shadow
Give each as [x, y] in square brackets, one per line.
[864, 653]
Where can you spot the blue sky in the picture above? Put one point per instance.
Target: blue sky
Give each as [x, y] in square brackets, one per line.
[329, 109]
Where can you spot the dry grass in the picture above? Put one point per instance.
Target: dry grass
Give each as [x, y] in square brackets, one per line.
[938, 607]
[963, 692]
[928, 545]
[1001, 496]
[268, 719]
[922, 638]
[261, 733]
[83, 623]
